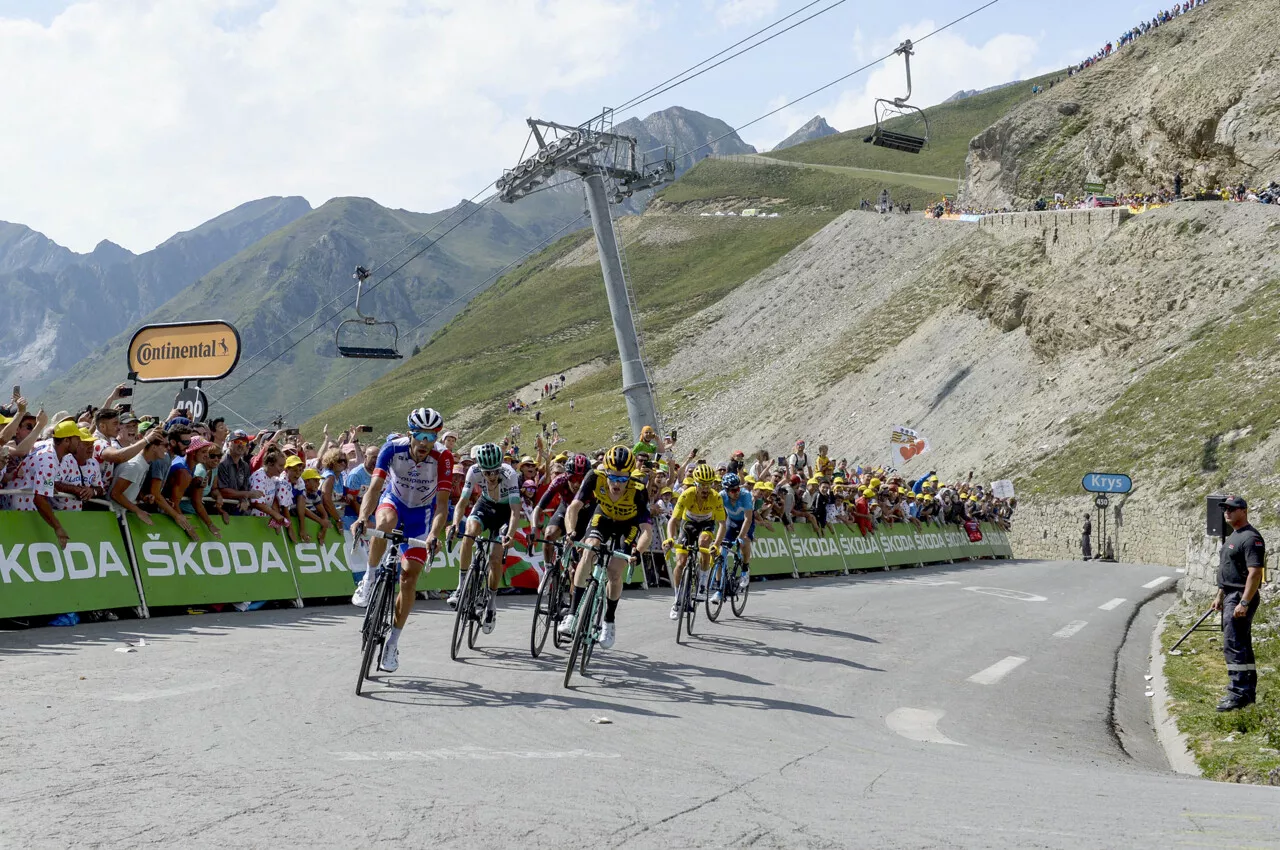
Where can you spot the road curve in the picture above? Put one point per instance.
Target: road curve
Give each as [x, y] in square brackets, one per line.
[955, 706]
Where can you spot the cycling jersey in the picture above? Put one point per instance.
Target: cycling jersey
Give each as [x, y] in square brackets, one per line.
[632, 505]
[697, 508]
[558, 493]
[505, 492]
[412, 484]
[736, 509]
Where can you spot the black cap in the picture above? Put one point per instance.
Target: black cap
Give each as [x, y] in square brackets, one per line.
[1235, 503]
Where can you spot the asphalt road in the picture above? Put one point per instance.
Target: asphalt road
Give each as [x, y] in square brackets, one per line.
[962, 706]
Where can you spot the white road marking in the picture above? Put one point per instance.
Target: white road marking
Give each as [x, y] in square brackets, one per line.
[468, 754]
[1156, 582]
[921, 582]
[1113, 604]
[1004, 593]
[142, 696]
[919, 724]
[1070, 628]
[997, 671]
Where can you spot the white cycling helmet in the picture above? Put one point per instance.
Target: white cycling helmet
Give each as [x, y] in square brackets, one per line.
[425, 419]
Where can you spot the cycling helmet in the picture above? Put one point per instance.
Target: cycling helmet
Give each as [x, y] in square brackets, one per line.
[619, 461]
[489, 456]
[704, 475]
[579, 465]
[425, 419]
[730, 481]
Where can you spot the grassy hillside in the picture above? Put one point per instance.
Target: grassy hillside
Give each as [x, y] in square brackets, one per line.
[542, 319]
[951, 126]
[786, 187]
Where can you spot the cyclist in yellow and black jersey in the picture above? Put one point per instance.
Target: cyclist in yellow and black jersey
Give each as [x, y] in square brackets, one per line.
[619, 520]
[700, 509]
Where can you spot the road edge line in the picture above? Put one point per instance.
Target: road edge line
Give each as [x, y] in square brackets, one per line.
[1175, 744]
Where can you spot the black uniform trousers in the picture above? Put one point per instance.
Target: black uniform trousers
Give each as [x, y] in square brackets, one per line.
[1237, 645]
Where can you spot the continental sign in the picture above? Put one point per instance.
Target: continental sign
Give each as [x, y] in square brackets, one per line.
[184, 351]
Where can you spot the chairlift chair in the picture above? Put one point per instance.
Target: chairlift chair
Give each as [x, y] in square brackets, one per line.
[353, 336]
[887, 110]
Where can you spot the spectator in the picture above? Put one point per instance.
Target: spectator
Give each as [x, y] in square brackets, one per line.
[333, 488]
[233, 476]
[183, 489]
[131, 478]
[798, 462]
[266, 480]
[39, 473]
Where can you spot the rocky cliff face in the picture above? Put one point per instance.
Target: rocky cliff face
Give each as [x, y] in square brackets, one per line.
[686, 131]
[815, 128]
[1199, 95]
[57, 306]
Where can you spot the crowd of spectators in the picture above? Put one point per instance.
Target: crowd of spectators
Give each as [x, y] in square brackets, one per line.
[1133, 34]
[1136, 202]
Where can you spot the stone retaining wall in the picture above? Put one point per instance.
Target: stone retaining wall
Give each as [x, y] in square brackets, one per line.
[1065, 233]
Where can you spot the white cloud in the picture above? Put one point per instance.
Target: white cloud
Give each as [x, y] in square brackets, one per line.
[732, 13]
[136, 118]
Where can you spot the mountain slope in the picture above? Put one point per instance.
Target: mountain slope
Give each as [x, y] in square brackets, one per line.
[686, 131]
[815, 128]
[101, 294]
[276, 283]
[1199, 95]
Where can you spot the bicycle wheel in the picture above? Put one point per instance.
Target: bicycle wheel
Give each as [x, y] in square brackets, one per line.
[716, 583]
[372, 642]
[685, 598]
[739, 601]
[546, 610]
[581, 631]
[563, 602]
[593, 636]
[691, 611]
[460, 618]
[479, 584]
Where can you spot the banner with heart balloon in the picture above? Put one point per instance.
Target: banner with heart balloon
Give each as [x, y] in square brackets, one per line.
[905, 444]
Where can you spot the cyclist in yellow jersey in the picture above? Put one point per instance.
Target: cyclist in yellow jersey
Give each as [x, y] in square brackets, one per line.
[619, 520]
[701, 509]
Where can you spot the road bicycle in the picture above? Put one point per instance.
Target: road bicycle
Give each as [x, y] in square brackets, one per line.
[590, 613]
[726, 579]
[379, 613]
[688, 597]
[555, 598]
[474, 594]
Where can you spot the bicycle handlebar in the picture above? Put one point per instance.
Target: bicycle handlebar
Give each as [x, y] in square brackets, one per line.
[616, 552]
[398, 537]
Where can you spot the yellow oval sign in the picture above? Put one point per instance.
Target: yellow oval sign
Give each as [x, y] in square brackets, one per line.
[184, 351]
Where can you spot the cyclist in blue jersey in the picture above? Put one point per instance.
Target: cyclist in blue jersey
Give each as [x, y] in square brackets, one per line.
[406, 492]
[739, 508]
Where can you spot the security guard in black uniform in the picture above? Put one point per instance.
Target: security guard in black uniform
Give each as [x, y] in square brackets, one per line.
[1239, 580]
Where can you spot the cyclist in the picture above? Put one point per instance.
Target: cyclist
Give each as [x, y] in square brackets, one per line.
[499, 486]
[701, 509]
[619, 511]
[557, 497]
[409, 490]
[739, 511]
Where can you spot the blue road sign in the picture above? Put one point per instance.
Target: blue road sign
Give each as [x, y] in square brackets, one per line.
[1107, 482]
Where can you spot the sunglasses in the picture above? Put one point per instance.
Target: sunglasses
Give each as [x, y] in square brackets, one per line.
[424, 436]
[618, 479]
[734, 489]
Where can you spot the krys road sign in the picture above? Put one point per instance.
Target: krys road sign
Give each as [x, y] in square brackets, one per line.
[185, 351]
[1107, 482]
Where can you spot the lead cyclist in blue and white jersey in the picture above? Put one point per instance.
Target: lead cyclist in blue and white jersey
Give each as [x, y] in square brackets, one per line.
[739, 508]
[498, 506]
[409, 490]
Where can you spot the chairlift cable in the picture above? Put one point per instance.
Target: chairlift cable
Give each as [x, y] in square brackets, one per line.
[836, 81]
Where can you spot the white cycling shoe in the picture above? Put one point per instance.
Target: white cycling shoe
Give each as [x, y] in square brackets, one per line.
[608, 635]
[390, 658]
[743, 581]
[715, 598]
[675, 610]
[490, 619]
[453, 600]
[360, 598]
[567, 625]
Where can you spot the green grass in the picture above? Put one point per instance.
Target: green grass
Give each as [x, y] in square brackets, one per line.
[1193, 401]
[935, 185]
[539, 320]
[798, 189]
[1237, 746]
[951, 126]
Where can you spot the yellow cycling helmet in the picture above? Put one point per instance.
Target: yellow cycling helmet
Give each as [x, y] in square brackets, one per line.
[619, 461]
[704, 475]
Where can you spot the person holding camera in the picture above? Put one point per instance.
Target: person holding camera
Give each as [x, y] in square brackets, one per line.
[1239, 581]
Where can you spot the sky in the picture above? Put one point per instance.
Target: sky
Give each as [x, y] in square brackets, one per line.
[131, 120]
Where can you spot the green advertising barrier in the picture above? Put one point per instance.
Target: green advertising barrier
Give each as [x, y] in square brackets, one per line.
[249, 563]
[860, 552]
[1000, 547]
[770, 553]
[92, 573]
[813, 553]
[321, 570]
[898, 544]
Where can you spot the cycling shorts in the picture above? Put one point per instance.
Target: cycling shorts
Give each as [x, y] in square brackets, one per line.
[735, 529]
[491, 516]
[621, 533]
[557, 521]
[692, 530]
[413, 522]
